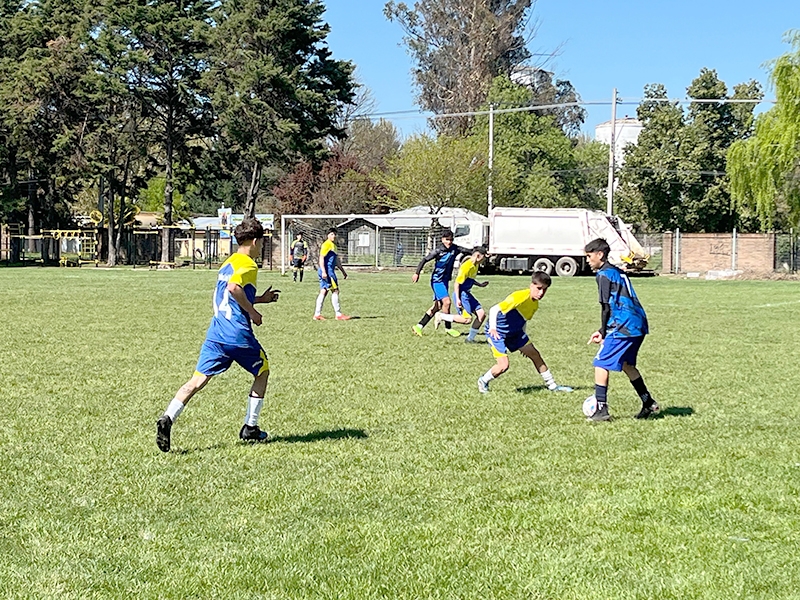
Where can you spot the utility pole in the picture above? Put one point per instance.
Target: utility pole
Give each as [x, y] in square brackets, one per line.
[612, 155]
[491, 158]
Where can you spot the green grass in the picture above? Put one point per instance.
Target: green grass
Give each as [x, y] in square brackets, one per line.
[390, 476]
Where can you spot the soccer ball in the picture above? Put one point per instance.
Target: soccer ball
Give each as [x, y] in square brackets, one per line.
[590, 406]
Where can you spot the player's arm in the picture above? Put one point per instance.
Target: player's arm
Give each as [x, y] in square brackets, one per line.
[305, 252]
[604, 292]
[421, 265]
[237, 293]
[322, 264]
[493, 313]
[339, 264]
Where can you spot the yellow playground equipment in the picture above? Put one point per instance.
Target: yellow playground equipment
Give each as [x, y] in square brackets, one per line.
[78, 246]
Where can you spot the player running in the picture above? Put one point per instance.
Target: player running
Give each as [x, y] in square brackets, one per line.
[506, 333]
[299, 256]
[623, 325]
[445, 257]
[467, 306]
[230, 336]
[329, 261]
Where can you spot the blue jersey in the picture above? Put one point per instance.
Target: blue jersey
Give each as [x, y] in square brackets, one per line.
[628, 318]
[445, 259]
[515, 312]
[230, 324]
[328, 252]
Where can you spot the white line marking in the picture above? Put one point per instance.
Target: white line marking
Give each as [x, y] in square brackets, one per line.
[776, 304]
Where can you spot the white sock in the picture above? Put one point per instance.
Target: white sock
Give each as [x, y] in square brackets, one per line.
[549, 380]
[446, 317]
[174, 409]
[254, 404]
[487, 377]
[335, 302]
[320, 300]
[472, 334]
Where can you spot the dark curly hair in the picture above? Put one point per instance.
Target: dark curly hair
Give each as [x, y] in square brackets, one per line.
[249, 229]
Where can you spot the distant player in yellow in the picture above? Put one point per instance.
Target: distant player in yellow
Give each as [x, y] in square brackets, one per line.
[468, 307]
[329, 261]
[230, 336]
[506, 333]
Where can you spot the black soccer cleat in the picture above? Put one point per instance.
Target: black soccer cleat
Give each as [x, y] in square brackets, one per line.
[163, 429]
[601, 414]
[649, 408]
[249, 433]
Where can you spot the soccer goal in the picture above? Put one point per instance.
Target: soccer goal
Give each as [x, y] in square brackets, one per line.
[365, 240]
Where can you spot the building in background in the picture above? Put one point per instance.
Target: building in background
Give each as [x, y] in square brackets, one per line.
[627, 132]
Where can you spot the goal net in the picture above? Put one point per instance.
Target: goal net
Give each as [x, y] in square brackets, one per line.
[377, 241]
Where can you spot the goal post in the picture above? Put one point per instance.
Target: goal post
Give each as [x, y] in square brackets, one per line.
[363, 240]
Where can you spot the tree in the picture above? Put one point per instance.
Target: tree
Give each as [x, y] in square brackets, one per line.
[765, 169]
[677, 167]
[459, 48]
[437, 172]
[275, 87]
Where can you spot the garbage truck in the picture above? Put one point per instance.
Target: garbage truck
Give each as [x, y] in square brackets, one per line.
[552, 240]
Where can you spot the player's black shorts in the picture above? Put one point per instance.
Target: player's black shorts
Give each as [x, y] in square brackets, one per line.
[297, 263]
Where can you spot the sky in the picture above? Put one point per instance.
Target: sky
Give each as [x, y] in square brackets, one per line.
[601, 45]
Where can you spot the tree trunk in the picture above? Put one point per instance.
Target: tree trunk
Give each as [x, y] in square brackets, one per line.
[252, 192]
[31, 212]
[112, 250]
[121, 227]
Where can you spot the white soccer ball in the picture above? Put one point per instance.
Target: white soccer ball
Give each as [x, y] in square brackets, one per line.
[590, 406]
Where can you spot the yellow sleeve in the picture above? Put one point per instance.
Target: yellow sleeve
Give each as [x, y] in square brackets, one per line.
[514, 300]
[245, 271]
[327, 246]
[464, 271]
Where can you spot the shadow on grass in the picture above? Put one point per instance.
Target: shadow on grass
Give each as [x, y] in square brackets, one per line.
[217, 446]
[674, 411]
[319, 436]
[532, 389]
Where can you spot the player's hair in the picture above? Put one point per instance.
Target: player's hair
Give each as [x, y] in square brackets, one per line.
[541, 278]
[249, 229]
[480, 249]
[447, 234]
[331, 230]
[598, 245]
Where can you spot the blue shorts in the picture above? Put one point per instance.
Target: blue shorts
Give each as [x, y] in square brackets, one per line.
[331, 283]
[508, 344]
[439, 291]
[615, 352]
[469, 304]
[216, 358]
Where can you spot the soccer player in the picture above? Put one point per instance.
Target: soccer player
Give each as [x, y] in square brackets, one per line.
[506, 333]
[445, 257]
[468, 307]
[623, 325]
[299, 256]
[329, 261]
[230, 336]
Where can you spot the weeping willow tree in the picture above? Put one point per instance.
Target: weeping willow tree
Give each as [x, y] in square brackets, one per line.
[765, 169]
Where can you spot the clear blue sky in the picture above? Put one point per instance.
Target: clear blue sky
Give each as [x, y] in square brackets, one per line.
[624, 44]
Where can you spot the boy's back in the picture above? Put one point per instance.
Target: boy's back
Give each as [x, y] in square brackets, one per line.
[628, 318]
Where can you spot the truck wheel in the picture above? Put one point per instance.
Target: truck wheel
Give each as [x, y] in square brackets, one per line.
[566, 266]
[543, 264]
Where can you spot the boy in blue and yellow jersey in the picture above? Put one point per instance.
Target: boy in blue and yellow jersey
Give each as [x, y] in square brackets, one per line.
[230, 336]
[623, 325]
[506, 332]
[445, 257]
[467, 306]
[329, 261]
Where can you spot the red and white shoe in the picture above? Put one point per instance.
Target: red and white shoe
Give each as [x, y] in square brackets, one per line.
[343, 318]
[319, 318]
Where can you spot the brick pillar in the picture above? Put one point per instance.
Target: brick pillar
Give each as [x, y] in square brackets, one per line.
[667, 249]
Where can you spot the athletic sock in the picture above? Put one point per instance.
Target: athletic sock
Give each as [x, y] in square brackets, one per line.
[446, 317]
[254, 404]
[549, 380]
[320, 299]
[487, 377]
[301, 276]
[641, 389]
[424, 320]
[601, 394]
[472, 333]
[336, 307]
[448, 324]
[174, 409]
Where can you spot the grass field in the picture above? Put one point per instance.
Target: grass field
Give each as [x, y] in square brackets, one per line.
[390, 476]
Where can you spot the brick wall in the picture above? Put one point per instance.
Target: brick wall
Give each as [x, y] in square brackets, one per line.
[701, 252]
